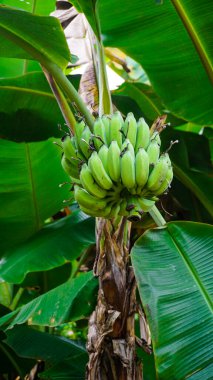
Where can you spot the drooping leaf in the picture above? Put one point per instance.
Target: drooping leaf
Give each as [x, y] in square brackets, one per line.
[30, 343]
[172, 267]
[16, 67]
[63, 238]
[24, 35]
[168, 39]
[29, 188]
[59, 305]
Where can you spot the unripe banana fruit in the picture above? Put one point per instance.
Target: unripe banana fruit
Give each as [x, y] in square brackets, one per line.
[117, 169]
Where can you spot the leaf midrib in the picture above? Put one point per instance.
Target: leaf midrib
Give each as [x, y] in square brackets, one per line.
[33, 191]
[192, 270]
[191, 29]
[27, 90]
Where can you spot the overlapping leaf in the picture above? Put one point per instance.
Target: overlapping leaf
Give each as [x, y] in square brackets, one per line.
[57, 352]
[59, 305]
[63, 239]
[168, 39]
[24, 35]
[28, 109]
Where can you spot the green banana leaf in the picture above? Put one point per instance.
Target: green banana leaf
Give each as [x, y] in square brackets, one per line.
[11, 363]
[25, 35]
[70, 369]
[89, 7]
[54, 350]
[29, 188]
[30, 343]
[149, 103]
[34, 6]
[15, 67]
[63, 239]
[173, 271]
[172, 42]
[59, 305]
[191, 161]
[28, 101]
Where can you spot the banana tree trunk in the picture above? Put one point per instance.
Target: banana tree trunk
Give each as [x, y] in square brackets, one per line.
[111, 335]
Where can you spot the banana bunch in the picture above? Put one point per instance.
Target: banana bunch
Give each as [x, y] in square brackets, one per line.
[117, 169]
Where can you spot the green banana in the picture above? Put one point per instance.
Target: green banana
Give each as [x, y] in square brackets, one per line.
[114, 211]
[114, 163]
[166, 183]
[141, 167]
[69, 147]
[128, 170]
[106, 122]
[89, 183]
[121, 118]
[132, 129]
[98, 172]
[103, 154]
[156, 137]
[153, 152]
[158, 173]
[143, 135]
[79, 128]
[115, 128]
[84, 142]
[69, 167]
[98, 213]
[99, 137]
[87, 200]
[124, 175]
[127, 146]
[145, 204]
[134, 210]
[123, 211]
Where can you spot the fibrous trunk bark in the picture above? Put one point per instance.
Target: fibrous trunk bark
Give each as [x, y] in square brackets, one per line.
[111, 335]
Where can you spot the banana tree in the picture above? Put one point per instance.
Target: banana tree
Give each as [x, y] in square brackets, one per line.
[168, 265]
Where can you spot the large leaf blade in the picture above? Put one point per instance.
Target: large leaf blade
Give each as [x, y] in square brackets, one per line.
[28, 100]
[63, 357]
[59, 305]
[155, 36]
[30, 343]
[24, 35]
[62, 238]
[29, 188]
[172, 268]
